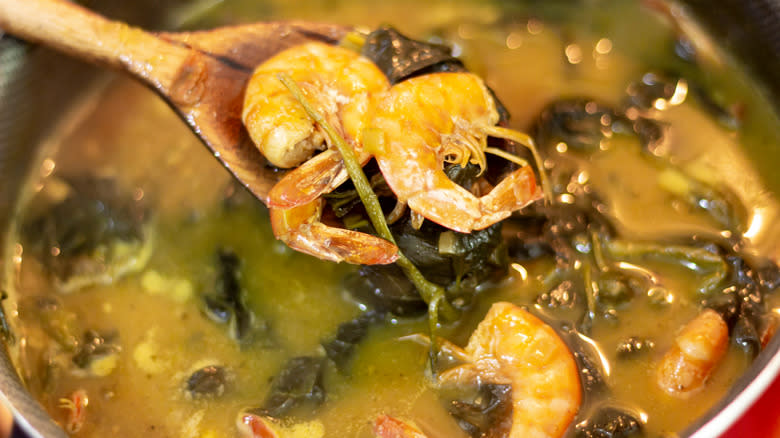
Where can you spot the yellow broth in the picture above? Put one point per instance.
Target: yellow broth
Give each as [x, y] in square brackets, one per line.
[529, 58]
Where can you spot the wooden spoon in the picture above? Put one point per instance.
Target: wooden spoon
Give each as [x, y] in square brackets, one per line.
[202, 75]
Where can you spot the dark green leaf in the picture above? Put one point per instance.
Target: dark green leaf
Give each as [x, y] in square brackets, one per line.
[94, 214]
[225, 302]
[209, 381]
[399, 57]
[350, 333]
[480, 409]
[471, 258]
[385, 288]
[298, 385]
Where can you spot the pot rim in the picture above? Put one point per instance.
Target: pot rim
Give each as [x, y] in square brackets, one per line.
[30, 417]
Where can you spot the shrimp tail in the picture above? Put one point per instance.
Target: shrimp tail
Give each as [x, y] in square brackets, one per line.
[452, 207]
[457, 209]
[300, 228]
[515, 191]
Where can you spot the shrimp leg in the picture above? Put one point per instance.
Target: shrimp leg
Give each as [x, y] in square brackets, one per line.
[76, 405]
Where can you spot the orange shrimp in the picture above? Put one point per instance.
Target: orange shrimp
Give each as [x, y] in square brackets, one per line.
[410, 128]
[697, 350]
[511, 346]
[339, 84]
[76, 405]
[440, 117]
[386, 426]
[300, 228]
[255, 426]
[337, 81]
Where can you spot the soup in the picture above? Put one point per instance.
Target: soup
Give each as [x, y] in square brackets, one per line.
[149, 283]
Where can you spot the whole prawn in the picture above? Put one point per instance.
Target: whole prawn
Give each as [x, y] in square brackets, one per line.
[430, 119]
[339, 83]
[697, 350]
[512, 346]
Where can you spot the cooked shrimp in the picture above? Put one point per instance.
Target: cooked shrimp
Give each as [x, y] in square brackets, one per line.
[337, 81]
[76, 405]
[511, 346]
[300, 228]
[430, 119]
[410, 128]
[386, 426]
[697, 350]
[254, 426]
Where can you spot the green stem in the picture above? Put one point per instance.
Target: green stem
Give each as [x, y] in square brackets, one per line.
[710, 267]
[598, 252]
[433, 294]
[590, 290]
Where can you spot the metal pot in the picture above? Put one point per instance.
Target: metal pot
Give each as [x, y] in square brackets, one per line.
[37, 86]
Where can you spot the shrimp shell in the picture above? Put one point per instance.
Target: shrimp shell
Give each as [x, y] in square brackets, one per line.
[697, 350]
[425, 118]
[336, 80]
[511, 346]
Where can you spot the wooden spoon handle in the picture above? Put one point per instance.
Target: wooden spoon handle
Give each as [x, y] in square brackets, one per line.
[78, 32]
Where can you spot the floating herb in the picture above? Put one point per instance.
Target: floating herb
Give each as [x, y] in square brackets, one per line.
[709, 265]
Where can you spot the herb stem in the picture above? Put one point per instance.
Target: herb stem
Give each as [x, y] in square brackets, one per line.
[590, 291]
[433, 294]
[598, 252]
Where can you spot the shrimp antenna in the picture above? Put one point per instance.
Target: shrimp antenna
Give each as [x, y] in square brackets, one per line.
[528, 142]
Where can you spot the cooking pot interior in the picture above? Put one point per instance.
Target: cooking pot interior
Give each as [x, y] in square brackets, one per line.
[37, 86]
